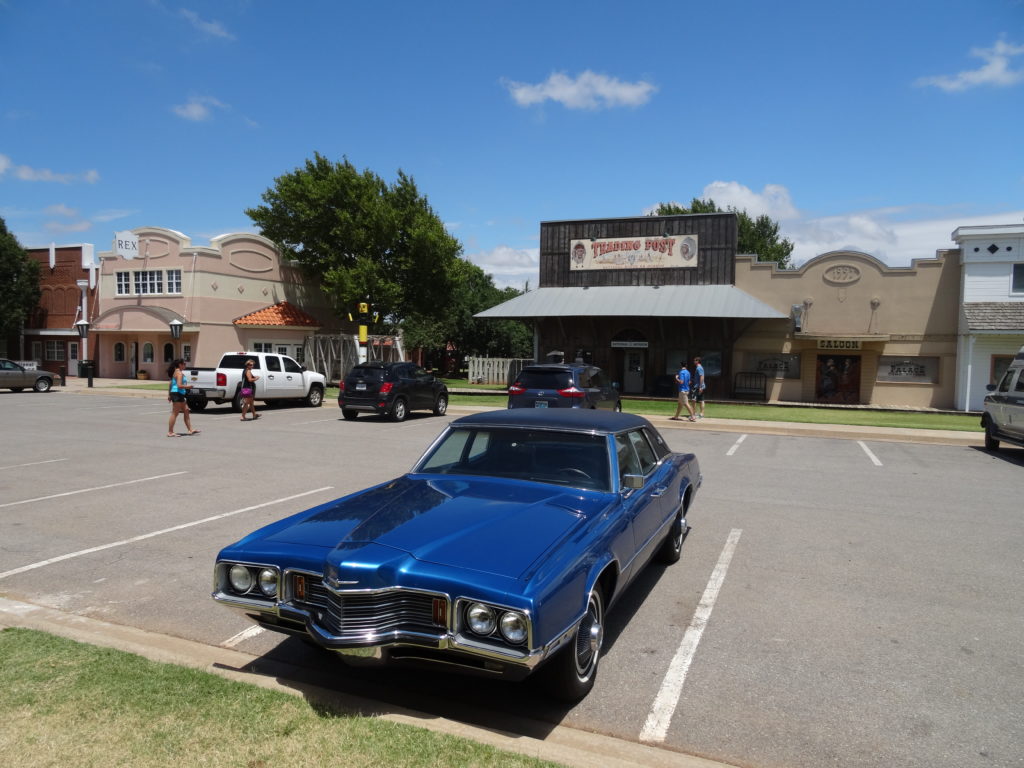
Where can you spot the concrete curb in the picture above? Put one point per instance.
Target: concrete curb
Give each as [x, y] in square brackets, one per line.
[568, 746]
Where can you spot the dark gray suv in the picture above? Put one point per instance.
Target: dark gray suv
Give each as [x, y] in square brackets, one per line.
[571, 385]
[392, 390]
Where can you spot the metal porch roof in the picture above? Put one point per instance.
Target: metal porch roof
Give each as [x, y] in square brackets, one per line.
[635, 301]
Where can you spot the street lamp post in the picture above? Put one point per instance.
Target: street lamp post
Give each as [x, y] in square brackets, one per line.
[83, 331]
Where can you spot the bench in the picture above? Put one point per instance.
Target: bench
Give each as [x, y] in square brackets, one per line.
[750, 384]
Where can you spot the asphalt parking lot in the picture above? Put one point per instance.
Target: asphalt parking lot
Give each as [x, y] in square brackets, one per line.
[847, 602]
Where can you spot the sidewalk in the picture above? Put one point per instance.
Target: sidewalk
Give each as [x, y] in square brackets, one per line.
[130, 388]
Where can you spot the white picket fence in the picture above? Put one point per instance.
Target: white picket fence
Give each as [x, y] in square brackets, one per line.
[495, 370]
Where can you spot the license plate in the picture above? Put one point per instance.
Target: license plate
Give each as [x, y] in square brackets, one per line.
[540, 404]
[360, 385]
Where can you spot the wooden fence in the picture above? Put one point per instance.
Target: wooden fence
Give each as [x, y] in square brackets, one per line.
[495, 370]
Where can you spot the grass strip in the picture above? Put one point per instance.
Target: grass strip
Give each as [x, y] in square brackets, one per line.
[71, 704]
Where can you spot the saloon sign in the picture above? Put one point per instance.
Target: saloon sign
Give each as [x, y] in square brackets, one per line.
[634, 253]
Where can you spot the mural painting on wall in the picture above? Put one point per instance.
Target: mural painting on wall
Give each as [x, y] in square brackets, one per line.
[634, 253]
[838, 379]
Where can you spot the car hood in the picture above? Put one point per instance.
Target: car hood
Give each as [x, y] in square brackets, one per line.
[493, 526]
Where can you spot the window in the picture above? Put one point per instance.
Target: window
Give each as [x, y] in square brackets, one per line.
[174, 281]
[37, 350]
[119, 352]
[73, 350]
[149, 281]
[1017, 283]
[186, 352]
[300, 354]
[274, 364]
[290, 366]
[771, 365]
[1019, 387]
[919, 370]
[55, 351]
[282, 349]
[648, 461]
[124, 283]
[262, 346]
[168, 353]
[147, 353]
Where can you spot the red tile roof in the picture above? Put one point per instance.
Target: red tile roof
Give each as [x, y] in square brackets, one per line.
[280, 314]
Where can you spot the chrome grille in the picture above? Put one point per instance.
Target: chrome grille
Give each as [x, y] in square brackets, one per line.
[365, 616]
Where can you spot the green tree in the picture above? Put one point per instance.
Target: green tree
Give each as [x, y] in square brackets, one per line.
[760, 235]
[19, 283]
[362, 238]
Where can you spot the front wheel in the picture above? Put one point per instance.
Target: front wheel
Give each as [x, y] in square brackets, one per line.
[441, 405]
[571, 674]
[399, 410]
[991, 444]
[315, 398]
[42, 385]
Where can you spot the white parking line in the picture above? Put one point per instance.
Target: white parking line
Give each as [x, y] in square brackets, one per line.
[245, 634]
[665, 702]
[89, 490]
[32, 463]
[318, 421]
[874, 459]
[133, 539]
[735, 445]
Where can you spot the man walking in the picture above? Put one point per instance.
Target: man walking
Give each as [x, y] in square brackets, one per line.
[698, 386]
[683, 380]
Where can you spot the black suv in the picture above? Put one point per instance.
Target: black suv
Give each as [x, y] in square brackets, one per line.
[392, 390]
[572, 385]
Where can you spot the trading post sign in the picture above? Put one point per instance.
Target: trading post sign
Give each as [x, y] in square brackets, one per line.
[634, 252]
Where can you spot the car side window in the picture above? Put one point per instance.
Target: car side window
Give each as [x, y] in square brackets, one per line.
[1004, 385]
[645, 454]
[1020, 383]
[273, 363]
[291, 366]
[597, 379]
[585, 379]
[660, 449]
[417, 372]
[629, 464]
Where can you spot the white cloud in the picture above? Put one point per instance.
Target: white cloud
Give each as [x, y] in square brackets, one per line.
[61, 210]
[28, 173]
[113, 215]
[197, 109]
[509, 267]
[81, 225]
[995, 72]
[588, 91]
[211, 28]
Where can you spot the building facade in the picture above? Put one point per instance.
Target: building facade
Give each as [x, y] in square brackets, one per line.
[235, 294]
[991, 319]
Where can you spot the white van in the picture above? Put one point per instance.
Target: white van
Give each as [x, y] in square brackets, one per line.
[1003, 419]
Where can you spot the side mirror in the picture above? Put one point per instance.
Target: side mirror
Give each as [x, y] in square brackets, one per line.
[990, 387]
[632, 482]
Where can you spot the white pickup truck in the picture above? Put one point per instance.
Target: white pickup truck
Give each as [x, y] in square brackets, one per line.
[280, 378]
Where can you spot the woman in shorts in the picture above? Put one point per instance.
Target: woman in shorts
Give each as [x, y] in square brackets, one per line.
[176, 395]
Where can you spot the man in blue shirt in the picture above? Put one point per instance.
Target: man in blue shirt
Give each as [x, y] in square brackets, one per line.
[683, 379]
[697, 389]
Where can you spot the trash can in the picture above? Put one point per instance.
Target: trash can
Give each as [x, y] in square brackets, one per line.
[86, 367]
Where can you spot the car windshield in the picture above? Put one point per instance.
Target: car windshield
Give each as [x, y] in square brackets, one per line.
[545, 456]
[541, 379]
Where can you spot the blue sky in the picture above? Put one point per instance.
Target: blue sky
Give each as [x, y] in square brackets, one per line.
[874, 126]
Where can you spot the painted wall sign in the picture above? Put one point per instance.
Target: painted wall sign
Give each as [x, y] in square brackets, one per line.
[634, 253]
[629, 345]
[838, 343]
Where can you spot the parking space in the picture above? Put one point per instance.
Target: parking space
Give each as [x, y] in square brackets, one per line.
[826, 605]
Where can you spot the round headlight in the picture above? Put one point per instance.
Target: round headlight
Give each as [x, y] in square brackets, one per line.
[480, 618]
[513, 627]
[240, 578]
[268, 582]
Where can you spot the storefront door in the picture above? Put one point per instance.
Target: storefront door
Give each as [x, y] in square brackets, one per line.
[633, 375]
[837, 379]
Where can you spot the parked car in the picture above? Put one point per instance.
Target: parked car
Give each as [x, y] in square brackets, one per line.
[392, 390]
[1003, 418]
[498, 554]
[557, 385]
[16, 377]
[280, 378]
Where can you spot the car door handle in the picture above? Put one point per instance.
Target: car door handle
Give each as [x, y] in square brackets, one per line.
[659, 491]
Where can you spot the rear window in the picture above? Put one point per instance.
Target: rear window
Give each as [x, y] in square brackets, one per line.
[238, 361]
[540, 379]
[366, 374]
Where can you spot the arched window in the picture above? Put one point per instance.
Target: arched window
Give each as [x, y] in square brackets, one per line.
[168, 352]
[147, 352]
[119, 352]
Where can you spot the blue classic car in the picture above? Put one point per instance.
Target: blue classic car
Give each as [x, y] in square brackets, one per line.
[497, 554]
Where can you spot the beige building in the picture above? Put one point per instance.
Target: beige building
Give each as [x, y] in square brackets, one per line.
[858, 331]
[235, 294]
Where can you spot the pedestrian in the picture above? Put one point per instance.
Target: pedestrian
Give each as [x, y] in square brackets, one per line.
[683, 380]
[697, 390]
[176, 395]
[248, 393]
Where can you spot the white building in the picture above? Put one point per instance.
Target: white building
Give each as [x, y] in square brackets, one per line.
[991, 326]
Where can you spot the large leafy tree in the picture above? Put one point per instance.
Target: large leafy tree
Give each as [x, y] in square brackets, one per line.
[19, 283]
[362, 238]
[760, 235]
